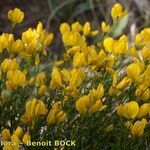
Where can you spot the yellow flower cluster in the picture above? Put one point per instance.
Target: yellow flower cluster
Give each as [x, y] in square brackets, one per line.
[110, 78]
[14, 139]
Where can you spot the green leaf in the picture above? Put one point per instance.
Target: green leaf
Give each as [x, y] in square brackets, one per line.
[119, 26]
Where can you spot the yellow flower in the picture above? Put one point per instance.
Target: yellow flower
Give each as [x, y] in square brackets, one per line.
[133, 71]
[71, 38]
[109, 61]
[94, 33]
[40, 109]
[9, 146]
[128, 110]
[5, 41]
[79, 60]
[123, 83]
[121, 45]
[56, 114]
[73, 91]
[15, 16]
[16, 78]
[90, 53]
[26, 138]
[134, 52]
[42, 89]
[29, 39]
[144, 110]
[65, 74]
[31, 80]
[105, 28]
[143, 37]
[138, 128]
[108, 44]
[83, 104]
[77, 77]
[33, 109]
[15, 139]
[9, 65]
[18, 132]
[40, 78]
[48, 39]
[64, 27]
[56, 80]
[16, 47]
[117, 11]
[76, 27]
[146, 52]
[6, 134]
[86, 28]
[98, 93]
[97, 106]
[98, 60]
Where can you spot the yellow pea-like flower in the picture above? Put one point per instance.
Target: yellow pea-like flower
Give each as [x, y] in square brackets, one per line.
[144, 110]
[40, 109]
[18, 132]
[146, 52]
[108, 44]
[76, 27]
[17, 78]
[146, 95]
[134, 52]
[40, 78]
[32, 80]
[65, 75]
[138, 128]
[143, 37]
[56, 80]
[105, 28]
[71, 38]
[133, 71]
[98, 93]
[33, 107]
[16, 15]
[96, 60]
[82, 104]
[6, 134]
[56, 115]
[79, 60]
[86, 28]
[61, 116]
[117, 11]
[128, 110]
[26, 138]
[42, 89]
[64, 27]
[9, 146]
[16, 47]
[94, 33]
[77, 77]
[48, 39]
[131, 109]
[123, 83]
[121, 45]
[97, 106]
[9, 65]
[5, 41]
[15, 140]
